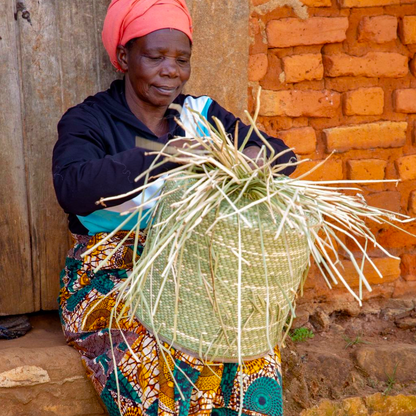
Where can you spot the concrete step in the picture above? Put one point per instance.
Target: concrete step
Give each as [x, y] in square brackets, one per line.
[42, 376]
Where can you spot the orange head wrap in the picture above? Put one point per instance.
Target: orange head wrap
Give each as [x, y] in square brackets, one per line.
[129, 19]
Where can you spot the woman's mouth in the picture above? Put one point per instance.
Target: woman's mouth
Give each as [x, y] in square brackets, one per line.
[165, 90]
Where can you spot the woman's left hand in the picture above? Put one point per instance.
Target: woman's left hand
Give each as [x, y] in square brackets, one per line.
[253, 152]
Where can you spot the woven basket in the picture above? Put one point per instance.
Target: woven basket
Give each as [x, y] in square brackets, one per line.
[207, 323]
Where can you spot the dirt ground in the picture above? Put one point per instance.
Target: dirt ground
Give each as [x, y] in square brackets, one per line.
[351, 355]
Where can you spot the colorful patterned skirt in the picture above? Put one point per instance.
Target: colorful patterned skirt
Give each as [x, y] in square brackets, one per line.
[178, 384]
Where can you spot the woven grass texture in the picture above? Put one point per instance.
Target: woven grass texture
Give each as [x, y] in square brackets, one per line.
[205, 284]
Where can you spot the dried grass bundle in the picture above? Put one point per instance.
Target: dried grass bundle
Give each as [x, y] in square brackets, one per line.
[217, 184]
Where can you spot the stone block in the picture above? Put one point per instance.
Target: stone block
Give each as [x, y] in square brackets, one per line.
[386, 134]
[373, 64]
[366, 169]
[408, 30]
[376, 405]
[303, 67]
[364, 102]
[257, 66]
[406, 166]
[296, 103]
[380, 361]
[400, 405]
[331, 170]
[302, 139]
[288, 32]
[404, 101]
[377, 29]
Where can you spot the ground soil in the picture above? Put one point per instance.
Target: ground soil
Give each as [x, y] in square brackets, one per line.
[350, 355]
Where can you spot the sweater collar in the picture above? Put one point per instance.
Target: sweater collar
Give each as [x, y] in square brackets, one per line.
[115, 102]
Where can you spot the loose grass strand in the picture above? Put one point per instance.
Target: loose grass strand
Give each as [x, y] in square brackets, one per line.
[223, 180]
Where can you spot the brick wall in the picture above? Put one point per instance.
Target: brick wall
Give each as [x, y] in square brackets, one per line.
[344, 80]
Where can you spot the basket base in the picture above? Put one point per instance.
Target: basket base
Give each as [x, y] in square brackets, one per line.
[207, 358]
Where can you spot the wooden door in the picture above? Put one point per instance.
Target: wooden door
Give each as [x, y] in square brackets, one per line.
[51, 58]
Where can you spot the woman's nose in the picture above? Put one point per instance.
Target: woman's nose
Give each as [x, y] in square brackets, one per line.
[170, 68]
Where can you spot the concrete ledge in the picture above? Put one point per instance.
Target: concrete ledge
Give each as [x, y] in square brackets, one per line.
[41, 376]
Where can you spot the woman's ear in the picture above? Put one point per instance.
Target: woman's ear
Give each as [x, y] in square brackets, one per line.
[122, 57]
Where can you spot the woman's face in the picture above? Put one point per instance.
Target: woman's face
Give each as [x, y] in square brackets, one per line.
[157, 66]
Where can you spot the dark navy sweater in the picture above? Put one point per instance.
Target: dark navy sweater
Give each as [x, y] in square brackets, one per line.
[95, 155]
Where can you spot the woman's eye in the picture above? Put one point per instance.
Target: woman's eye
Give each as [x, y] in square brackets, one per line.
[154, 58]
[183, 61]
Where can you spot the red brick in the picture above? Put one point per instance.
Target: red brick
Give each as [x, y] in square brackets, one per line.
[404, 289]
[366, 136]
[254, 26]
[272, 79]
[408, 30]
[413, 66]
[313, 31]
[408, 265]
[295, 103]
[343, 84]
[366, 169]
[331, 170]
[257, 67]
[373, 64]
[406, 166]
[272, 125]
[257, 45]
[302, 139]
[388, 267]
[412, 203]
[368, 3]
[390, 237]
[303, 67]
[317, 3]
[389, 200]
[378, 29]
[404, 101]
[364, 101]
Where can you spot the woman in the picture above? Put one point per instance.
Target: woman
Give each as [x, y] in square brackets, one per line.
[95, 156]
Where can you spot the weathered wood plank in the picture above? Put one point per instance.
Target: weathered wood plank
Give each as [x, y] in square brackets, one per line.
[17, 292]
[220, 52]
[42, 86]
[77, 49]
[107, 73]
[63, 61]
[63, 44]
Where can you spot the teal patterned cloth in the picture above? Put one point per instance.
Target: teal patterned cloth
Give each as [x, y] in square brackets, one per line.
[134, 374]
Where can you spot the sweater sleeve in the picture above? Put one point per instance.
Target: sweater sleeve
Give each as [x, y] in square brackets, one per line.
[229, 121]
[84, 170]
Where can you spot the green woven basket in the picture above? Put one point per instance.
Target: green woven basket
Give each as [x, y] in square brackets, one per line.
[206, 324]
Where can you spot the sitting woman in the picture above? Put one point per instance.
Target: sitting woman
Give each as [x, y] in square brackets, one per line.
[94, 157]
